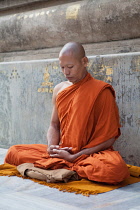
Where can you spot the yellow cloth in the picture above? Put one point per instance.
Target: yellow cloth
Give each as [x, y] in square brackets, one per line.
[83, 186]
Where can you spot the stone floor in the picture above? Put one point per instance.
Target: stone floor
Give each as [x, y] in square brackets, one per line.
[17, 193]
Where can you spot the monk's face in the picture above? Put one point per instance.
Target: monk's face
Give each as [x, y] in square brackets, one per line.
[73, 68]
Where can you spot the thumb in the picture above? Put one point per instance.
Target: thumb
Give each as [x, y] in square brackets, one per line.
[56, 151]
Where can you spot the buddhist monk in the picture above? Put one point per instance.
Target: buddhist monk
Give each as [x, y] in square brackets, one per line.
[83, 128]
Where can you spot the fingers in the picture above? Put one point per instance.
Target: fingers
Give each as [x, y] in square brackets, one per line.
[63, 154]
[54, 147]
[55, 153]
[51, 147]
[66, 148]
[57, 147]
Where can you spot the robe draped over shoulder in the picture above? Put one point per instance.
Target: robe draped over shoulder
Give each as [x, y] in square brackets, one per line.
[79, 125]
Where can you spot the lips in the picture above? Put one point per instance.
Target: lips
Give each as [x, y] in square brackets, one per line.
[69, 78]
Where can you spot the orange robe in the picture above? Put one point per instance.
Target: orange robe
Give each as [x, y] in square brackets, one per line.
[88, 117]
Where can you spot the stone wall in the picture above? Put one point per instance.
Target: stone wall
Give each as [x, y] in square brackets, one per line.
[31, 36]
[84, 21]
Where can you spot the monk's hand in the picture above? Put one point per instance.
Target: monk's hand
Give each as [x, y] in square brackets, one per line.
[51, 148]
[68, 149]
[62, 153]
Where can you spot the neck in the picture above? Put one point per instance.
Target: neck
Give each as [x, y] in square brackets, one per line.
[84, 75]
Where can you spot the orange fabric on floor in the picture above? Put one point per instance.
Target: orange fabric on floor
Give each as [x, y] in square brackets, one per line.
[84, 187]
[88, 116]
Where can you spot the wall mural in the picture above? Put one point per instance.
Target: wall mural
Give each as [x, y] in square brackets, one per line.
[46, 85]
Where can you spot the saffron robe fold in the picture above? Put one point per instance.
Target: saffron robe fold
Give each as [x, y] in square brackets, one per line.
[81, 124]
[88, 116]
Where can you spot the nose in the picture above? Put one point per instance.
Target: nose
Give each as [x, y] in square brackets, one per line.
[66, 71]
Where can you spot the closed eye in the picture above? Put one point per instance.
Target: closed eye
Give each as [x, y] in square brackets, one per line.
[70, 67]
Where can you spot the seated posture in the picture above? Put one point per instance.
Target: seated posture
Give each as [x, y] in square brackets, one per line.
[84, 125]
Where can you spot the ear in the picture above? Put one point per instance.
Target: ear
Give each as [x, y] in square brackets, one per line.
[85, 61]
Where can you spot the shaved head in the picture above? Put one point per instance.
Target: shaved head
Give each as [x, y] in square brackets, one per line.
[73, 48]
[73, 62]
